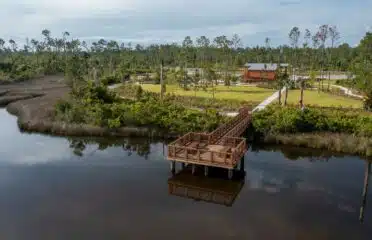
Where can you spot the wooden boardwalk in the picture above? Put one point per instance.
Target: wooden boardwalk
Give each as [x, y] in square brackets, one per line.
[222, 148]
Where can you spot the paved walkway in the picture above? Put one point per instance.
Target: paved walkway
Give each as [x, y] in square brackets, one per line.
[348, 91]
[269, 100]
[114, 86]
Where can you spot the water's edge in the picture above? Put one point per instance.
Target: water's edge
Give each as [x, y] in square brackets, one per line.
[43, 123]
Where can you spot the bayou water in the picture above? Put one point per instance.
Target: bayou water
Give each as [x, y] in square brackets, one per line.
[73, 188]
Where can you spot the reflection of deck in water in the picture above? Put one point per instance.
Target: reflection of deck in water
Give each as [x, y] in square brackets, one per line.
[209, 189]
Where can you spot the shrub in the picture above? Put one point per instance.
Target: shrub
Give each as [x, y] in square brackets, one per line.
[275, 119]
[95, 105]
[111, 79]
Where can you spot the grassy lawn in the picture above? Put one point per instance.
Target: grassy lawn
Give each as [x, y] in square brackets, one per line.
[255, 94]
[312, 97]
[247, 93]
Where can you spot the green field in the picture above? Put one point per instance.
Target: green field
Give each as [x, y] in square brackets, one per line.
[246, 93]
[312, 97]
[256, 94]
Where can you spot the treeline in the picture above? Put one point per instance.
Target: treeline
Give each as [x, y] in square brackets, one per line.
[110, 60]
[307, 50]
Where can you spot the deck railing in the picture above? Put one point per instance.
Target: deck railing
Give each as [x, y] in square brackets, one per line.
[192, 147]
[227, 127]
[210, 157]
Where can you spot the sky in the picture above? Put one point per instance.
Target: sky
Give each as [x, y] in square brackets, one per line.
[167, 21]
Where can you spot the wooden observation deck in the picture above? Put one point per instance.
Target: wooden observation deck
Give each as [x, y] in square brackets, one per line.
[222, 148]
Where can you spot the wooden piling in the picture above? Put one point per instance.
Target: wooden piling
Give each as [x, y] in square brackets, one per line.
[193, 169]
[230, 173]
[206, 170]
[242, 164]
[173, 166]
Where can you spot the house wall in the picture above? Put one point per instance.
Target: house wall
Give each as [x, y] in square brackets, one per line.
[252, 75]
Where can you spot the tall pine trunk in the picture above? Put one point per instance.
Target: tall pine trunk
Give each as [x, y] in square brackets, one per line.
[286, 96]
[162, 86]
[302, 93]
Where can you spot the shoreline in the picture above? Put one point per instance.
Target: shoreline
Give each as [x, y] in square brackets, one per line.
[27, 124]
[34, 108]
[33, 105]
[335, 142]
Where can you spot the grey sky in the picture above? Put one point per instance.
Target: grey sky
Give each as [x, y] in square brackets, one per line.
[145, 21]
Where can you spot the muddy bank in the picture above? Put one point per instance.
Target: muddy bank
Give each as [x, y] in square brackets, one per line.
[33, 103]
[336, 142]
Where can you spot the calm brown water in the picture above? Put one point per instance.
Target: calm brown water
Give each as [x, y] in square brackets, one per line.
[57, 188]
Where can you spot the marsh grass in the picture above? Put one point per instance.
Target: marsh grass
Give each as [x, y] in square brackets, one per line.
[338, 142]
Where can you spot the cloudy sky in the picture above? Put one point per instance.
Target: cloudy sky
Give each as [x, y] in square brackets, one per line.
[150, 21]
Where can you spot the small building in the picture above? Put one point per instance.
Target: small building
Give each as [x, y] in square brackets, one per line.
[261, 72]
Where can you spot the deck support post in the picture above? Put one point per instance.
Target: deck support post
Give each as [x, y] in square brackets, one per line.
[193, 168]
[173, 166]
[206, 170]
[183, 165]
[230, 173]
[242, 164]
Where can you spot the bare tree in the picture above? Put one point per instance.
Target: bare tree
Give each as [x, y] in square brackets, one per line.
[334, 35]
[268, 49]
[315, 39]
[203, 43]
[236, 43]
[323, 36]
[294, 37]
[307, 39]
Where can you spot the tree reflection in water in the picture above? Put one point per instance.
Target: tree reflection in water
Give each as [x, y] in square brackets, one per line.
[365, 191]
[141, 146]
[297, 153]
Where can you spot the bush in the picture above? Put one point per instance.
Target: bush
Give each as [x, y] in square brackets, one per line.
[97, 106]
[268, 85]
[276, 119]
[111, 79]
